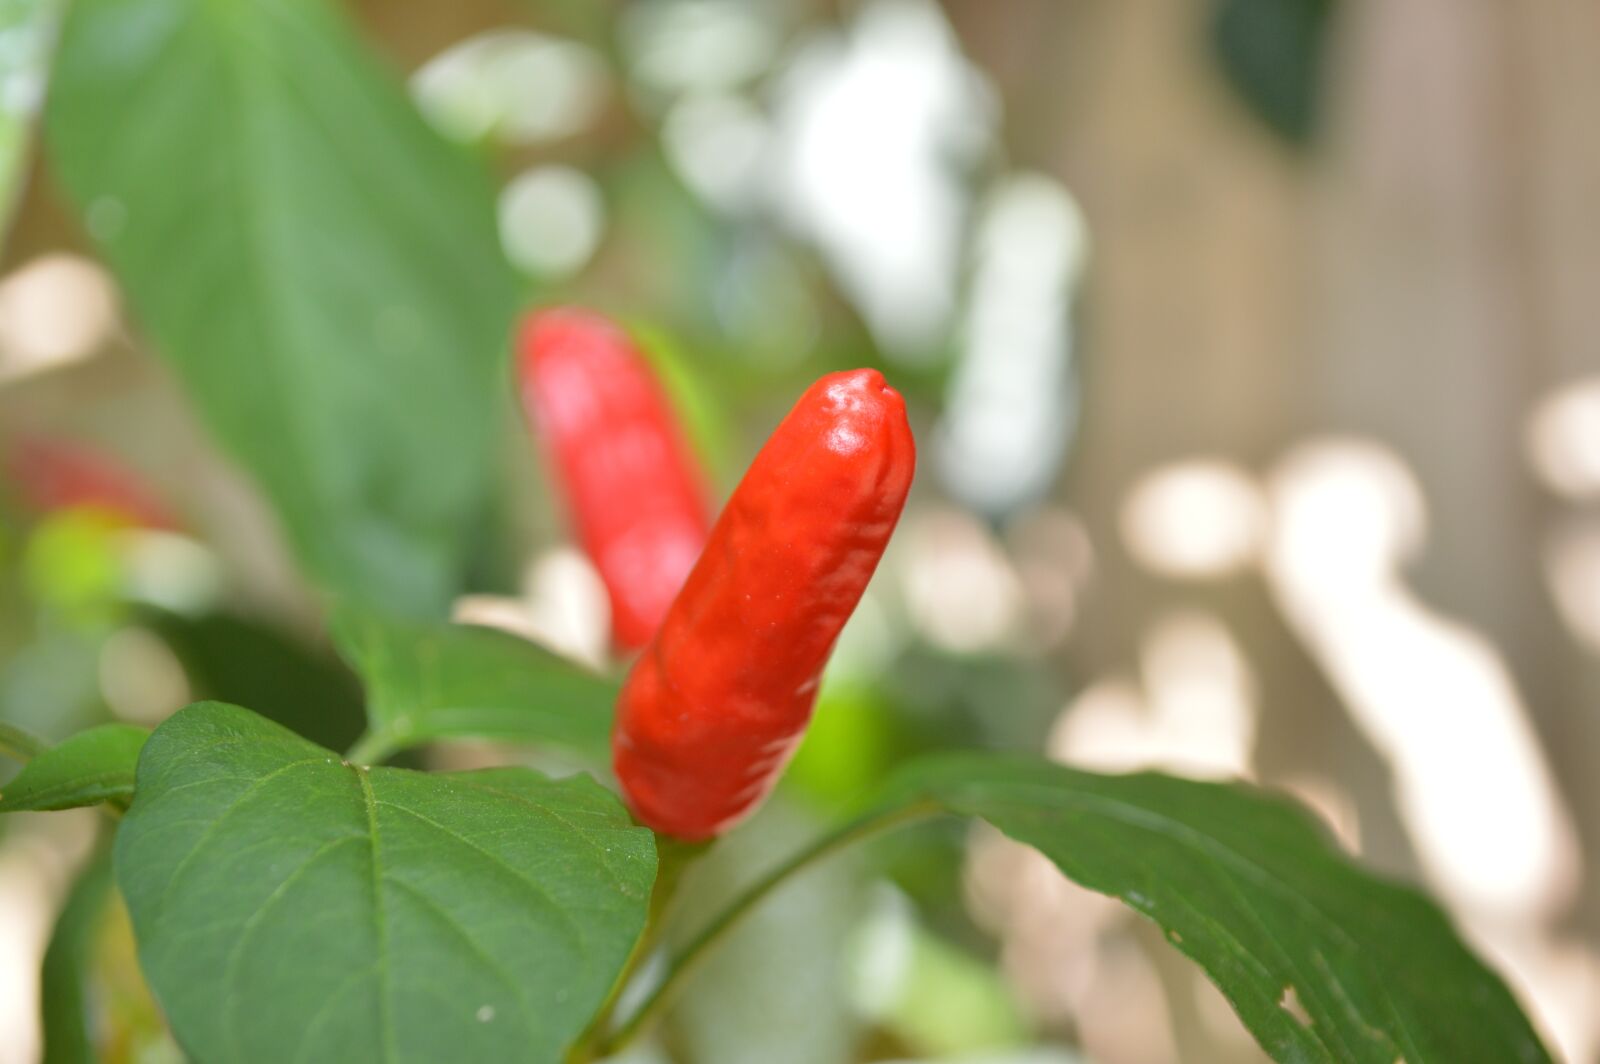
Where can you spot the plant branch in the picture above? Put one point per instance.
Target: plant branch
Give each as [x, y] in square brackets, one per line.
[373, 747]
[19, 744]
[691, 955]
[674, 857]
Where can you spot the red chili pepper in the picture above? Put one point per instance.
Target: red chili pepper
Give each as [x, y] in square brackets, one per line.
[718, 701]
[631, 484]
[50, 474]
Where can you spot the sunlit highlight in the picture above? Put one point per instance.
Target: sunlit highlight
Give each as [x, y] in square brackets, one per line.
[1010, 408]
[961, 592]
[716, 143]
[516, 85]
[1195, 714]
[54, 310]
[1194, 519]
[1571, 563]
[551, 220]
[563, 607]
[36, 864]
[686, 45]
[877, 130]
[1563, 439]
[141, 679]
[1431, 694]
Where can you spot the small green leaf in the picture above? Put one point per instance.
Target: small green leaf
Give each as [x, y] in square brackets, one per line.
[1322, 961]
[321, 269]
[451, 681]
[93, 766]
[292, 907]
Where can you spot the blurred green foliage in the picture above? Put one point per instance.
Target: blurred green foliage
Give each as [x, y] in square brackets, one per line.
[1272, 52]
[326, 277]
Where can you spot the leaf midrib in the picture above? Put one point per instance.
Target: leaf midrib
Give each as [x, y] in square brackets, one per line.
[380, 918]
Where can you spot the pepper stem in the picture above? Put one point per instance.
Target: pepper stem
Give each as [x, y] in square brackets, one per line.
[688, 959]
[672, 858]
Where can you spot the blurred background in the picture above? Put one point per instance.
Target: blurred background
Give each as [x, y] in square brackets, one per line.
[1250, 346]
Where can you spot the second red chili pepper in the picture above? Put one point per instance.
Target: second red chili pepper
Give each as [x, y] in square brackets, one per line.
[719, 700]
[631, 484]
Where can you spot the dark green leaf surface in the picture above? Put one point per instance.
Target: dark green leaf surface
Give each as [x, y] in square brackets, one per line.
[96, 765]
[290, 907]
[237, 658]
[321, 269]
[443, 681]
[1272, 52]
[1322, 961]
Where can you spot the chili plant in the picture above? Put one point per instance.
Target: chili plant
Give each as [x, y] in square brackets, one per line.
[326, 285]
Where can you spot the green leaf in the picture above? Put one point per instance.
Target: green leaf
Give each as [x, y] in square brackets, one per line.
[1322, 961]
[451, 681]
[93, 766]
[321, 269]
[1272, 53]
[27, 31]
[292, 907]
[64, 1010]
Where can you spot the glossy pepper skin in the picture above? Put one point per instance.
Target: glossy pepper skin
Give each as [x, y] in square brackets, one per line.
[719, 700]
[630, 482]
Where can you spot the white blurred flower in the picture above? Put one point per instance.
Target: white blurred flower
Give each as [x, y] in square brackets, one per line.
[877, 132]
[520, 86]
[682, 45]
[1009, 410]
[551, 220]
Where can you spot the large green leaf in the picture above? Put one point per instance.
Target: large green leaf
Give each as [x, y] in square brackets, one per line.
[96, 765]
[451, 681]
[1321, 960]
[321, 269]
[292, 907]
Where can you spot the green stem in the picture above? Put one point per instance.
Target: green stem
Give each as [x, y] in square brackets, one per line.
[694, 953]
[372, 748]
[19, 744]
[674, 857]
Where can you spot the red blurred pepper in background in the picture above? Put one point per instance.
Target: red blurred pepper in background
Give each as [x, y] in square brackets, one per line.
[631, 484]
[47, 474]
